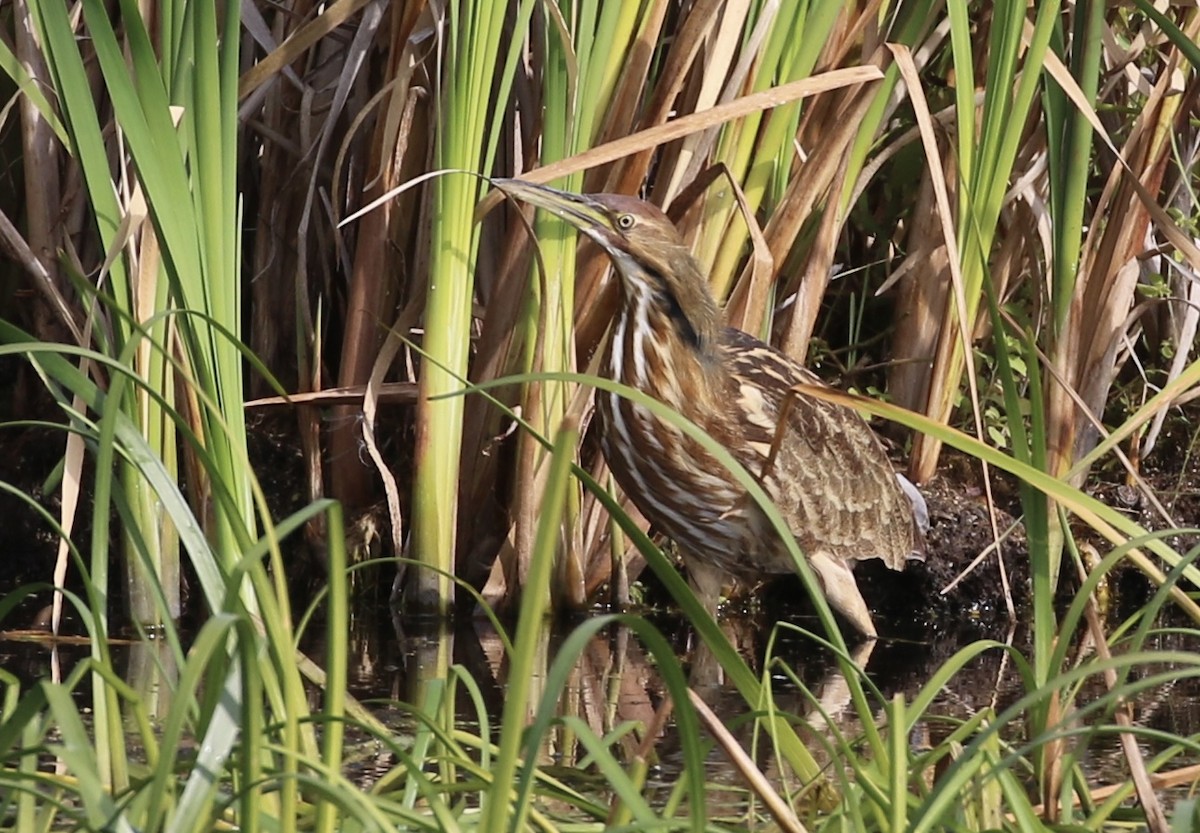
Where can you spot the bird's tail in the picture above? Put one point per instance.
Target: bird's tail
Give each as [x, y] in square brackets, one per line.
[920, 512]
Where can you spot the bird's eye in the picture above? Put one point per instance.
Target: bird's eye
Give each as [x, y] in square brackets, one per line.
[626, 221]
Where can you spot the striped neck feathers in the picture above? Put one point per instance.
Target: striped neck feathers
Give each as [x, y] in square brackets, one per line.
[658, 348]
[666, 287]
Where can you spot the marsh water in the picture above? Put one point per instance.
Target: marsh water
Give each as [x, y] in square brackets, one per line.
[612, 681]
[613, 684]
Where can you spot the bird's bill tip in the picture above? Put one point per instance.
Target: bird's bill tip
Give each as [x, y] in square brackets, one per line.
[576, 209]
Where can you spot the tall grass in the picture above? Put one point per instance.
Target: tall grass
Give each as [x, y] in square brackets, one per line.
[184, 259]
[176, 145]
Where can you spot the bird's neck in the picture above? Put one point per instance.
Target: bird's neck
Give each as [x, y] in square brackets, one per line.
[654, 351]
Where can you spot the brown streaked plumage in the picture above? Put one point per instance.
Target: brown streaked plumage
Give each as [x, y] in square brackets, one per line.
[829, 476]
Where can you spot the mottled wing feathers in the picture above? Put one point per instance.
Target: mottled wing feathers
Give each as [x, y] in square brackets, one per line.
[829, 474]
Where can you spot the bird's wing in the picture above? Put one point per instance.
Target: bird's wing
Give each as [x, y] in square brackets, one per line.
[827, 471]
[763, 378]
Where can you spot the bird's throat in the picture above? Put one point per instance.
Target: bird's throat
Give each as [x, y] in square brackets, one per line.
[655, 352]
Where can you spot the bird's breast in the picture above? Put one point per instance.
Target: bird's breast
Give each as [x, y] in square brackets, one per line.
[673, 479]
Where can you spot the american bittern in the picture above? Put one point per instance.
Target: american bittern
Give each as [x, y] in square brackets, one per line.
[825, 469]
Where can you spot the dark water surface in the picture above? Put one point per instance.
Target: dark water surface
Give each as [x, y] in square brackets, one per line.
[614, 681]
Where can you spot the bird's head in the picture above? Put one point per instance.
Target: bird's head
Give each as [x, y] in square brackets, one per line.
[646, 248]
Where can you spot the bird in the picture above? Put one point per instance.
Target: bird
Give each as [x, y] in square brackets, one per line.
[820, 462]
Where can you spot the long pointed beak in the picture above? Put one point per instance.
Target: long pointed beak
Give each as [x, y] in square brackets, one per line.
[577, 209]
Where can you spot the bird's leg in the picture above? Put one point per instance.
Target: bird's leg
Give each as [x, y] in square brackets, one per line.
[842, 591]
[708, 581]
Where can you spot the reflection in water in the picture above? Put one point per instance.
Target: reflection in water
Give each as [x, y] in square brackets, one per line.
[614, 689]
[153, 674]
